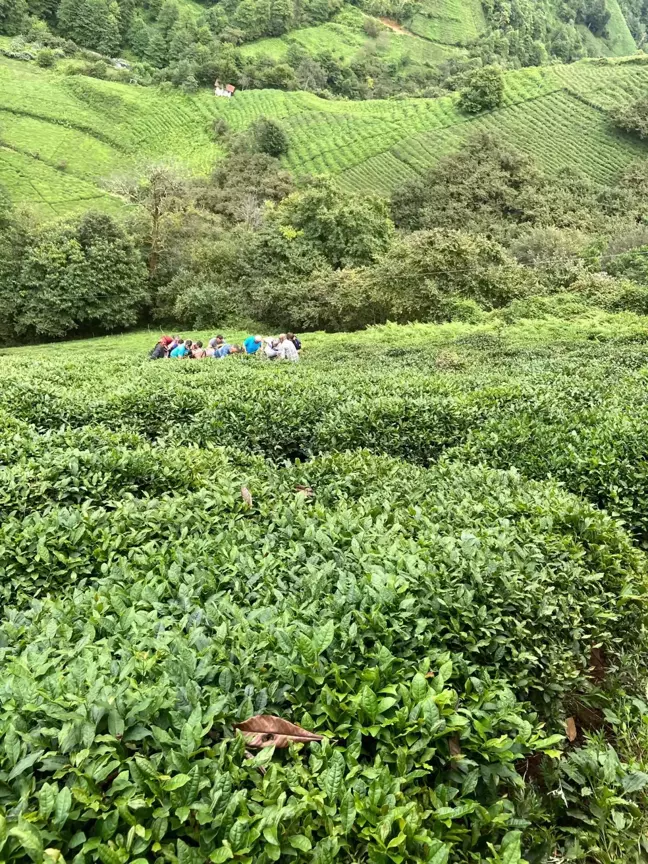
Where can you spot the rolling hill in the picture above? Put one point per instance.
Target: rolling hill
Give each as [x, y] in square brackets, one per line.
[61, 134]
[346, 39]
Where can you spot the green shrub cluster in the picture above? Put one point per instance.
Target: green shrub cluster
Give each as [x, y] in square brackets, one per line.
[184, 545]
[390, 609]
[576, 414]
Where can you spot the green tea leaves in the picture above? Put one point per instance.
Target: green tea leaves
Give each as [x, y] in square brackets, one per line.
[176, 782]
[28, 838]
[334, 775]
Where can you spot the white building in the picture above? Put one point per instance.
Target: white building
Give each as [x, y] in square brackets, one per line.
[226, 91]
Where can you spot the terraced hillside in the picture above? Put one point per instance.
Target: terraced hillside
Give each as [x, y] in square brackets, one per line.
[61, 135]
[346, 39]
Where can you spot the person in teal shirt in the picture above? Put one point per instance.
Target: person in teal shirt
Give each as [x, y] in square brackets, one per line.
[181, 350]
[252, 344]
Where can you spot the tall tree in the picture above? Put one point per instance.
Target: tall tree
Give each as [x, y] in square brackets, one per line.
[13, 16]
[160, 192]
[91, 23]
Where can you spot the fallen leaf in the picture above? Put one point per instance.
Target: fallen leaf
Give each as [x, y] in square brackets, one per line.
[245, 495]
[264, 730]
[570, 729]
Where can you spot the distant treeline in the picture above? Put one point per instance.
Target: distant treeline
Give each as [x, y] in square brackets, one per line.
[174, 43]
[483, 229]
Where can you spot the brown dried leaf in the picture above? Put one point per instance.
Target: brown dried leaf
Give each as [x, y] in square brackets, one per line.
[570, 729]
[245, 495]
[264, 730]
[455, 746]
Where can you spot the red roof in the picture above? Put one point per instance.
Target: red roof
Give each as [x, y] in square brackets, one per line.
[230, 88]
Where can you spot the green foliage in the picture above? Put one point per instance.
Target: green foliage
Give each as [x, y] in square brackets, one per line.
[75, 275]
[633, 117]
[483, 92]
[433, 624]
[133, 747]
[270, 137]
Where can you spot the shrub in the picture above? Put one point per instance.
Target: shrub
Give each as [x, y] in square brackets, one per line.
[371, 27]
[632, 117]
[220, 127]
[270, 137]
[46, 57]
[484, 91]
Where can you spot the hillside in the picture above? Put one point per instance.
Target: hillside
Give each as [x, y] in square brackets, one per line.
[346, 38]
[62, 134]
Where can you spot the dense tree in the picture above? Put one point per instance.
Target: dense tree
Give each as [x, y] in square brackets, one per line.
[68, 276]
[348, 230]
[484, 90]
[423, 272]
[270, 137]
[139, 36]
[633, 117]
[13, 16]
[161, 192]
[497, 190]
[483, 185]
[91, 23]
[242, 183]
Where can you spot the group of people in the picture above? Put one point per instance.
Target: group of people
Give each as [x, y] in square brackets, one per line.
[286, 346]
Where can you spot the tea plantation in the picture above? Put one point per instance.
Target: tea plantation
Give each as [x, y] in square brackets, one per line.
[60, 136]
[423, 544]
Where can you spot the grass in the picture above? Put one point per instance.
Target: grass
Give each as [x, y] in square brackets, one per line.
[345, 38]
[450, 22]
[62, 134]
[594, 325]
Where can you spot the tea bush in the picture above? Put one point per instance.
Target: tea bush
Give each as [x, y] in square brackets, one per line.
[185, 545]
[427, 643]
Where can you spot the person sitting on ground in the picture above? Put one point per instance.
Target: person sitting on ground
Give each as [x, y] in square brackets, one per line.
[271, 349]
[286, 349]
[181, 350]
[161, 349]
[175, 341]
[252, 344]
[198, 352]
[211, 347]
[296, 342]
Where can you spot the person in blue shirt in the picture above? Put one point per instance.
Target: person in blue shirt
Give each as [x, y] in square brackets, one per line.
[225, 350]
[181, 350]
[252, 344]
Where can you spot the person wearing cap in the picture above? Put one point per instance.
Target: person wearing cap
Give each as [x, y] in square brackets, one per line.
[252, 344]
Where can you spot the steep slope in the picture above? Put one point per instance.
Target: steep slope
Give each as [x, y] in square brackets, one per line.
[60, 135]
[346, 38]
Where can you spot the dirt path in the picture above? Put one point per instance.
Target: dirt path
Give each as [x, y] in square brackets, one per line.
[394, 25]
